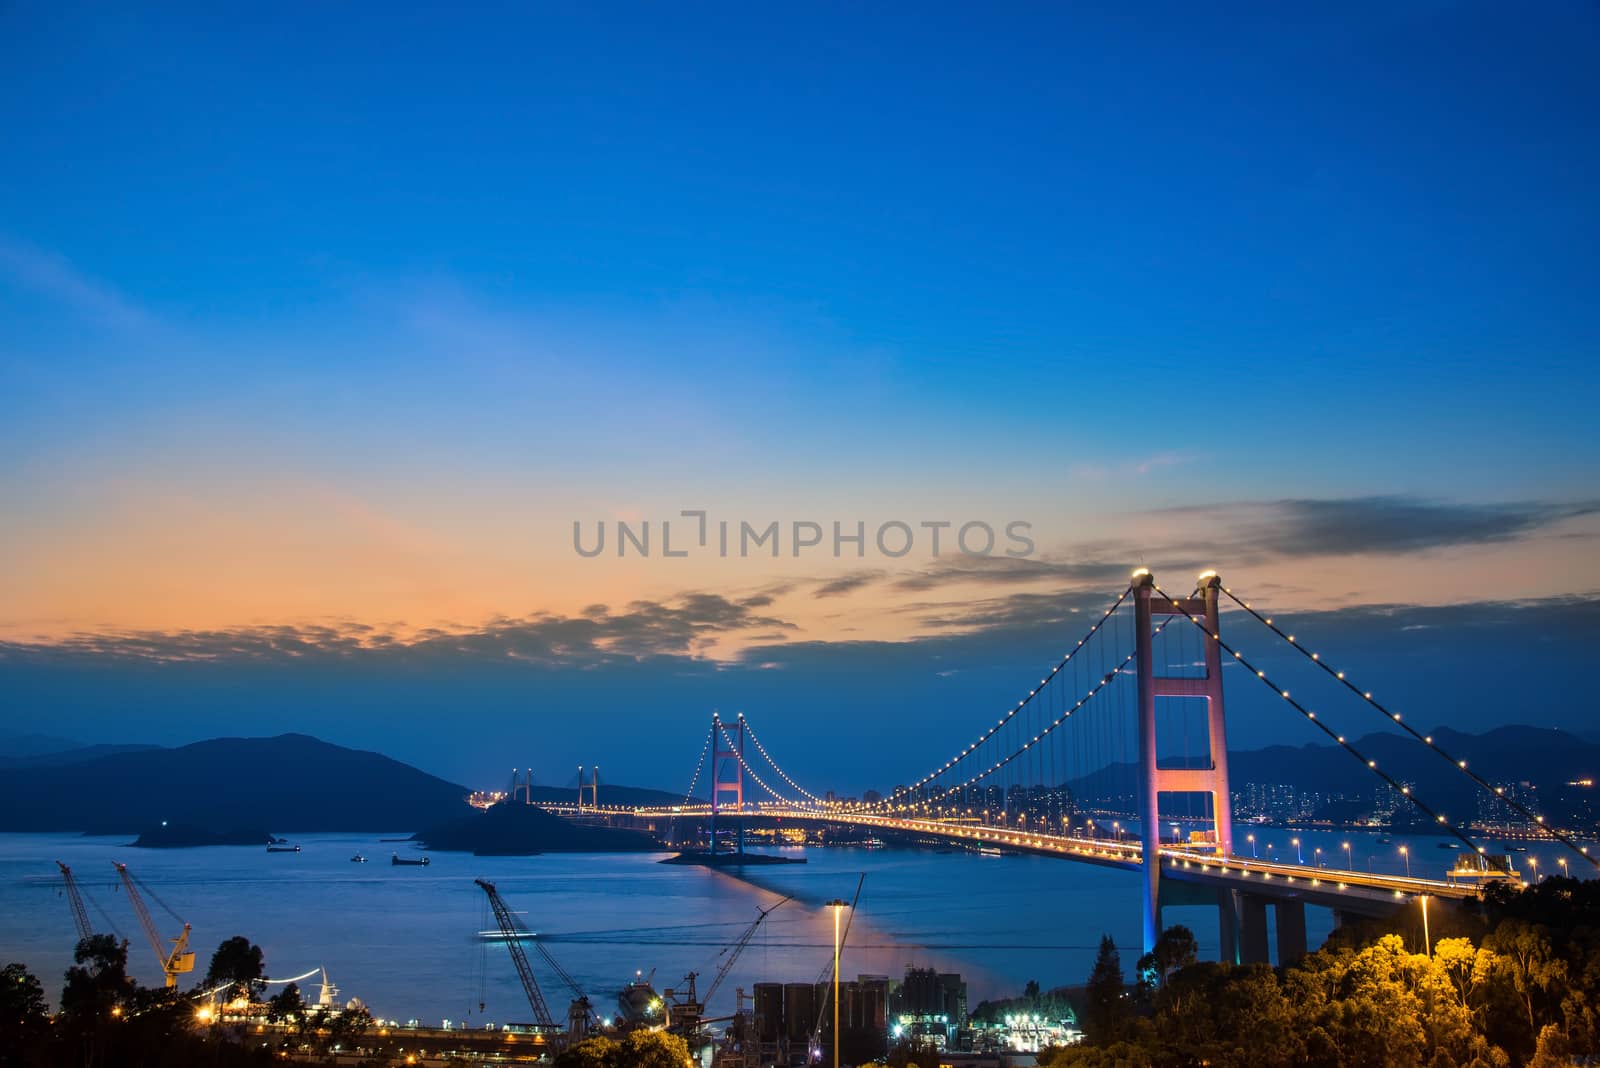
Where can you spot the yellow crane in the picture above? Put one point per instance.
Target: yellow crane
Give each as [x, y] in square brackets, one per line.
[80, 915]
[180, 958]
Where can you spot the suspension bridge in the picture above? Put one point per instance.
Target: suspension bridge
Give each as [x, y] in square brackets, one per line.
[1130, 718]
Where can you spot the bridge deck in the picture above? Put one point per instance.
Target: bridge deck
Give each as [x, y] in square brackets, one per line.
[1364, 893]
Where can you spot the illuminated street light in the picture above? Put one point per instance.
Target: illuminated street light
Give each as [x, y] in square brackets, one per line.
[1404, 852]
[838, 906]
[1298, 852]
[1252, 840]
[1347, 860]
[1427, 946]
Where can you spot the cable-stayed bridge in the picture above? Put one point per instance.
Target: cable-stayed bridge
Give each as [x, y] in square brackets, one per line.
[1129, 722]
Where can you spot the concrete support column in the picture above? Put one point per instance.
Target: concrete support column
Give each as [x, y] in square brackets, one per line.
[1291, 921]
[1228, 925]
[1253, 930]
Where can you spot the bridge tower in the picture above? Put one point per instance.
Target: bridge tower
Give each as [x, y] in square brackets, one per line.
[522, 786]
[727, 753]
[1155, 780]
[590, 789]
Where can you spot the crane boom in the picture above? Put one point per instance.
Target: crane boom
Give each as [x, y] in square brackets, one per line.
[80, 915]
[737, 948]
[513, 939]
[180, 958]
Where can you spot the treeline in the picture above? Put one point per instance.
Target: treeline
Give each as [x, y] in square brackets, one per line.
[108, 1019]
[1513, 979]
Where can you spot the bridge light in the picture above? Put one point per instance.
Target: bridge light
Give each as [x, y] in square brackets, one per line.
[1340, 674]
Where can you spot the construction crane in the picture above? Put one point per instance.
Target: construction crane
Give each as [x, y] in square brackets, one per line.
[180, 958]
[513, 935]
[80, 915]
[580, 1014]
[737, 948]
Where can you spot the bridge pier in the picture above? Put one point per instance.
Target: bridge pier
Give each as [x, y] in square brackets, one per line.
[1228, 926]
[1253, 947]
[1291, 921]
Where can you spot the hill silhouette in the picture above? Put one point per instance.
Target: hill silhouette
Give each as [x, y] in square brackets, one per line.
[512, 828]
[291, 782]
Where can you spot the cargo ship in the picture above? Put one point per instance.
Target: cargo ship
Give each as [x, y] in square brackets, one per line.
[410, 862]
[639, 1002]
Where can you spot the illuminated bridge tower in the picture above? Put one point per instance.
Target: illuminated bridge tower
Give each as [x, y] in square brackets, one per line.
[1210, 779]
[727, 758]
[590, 789]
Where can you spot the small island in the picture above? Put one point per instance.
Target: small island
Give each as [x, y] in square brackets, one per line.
[512, 828]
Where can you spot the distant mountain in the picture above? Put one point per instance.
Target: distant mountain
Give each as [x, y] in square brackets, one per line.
[21, 746]
[290, 783]
[74, 754]
[1545, 757]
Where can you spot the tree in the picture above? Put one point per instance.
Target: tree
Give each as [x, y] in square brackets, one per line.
[653, 1049]
[1527, 960]
[94, 997]
[348, 1026]
[98, 982]
[23, 1014]
[286, 1004]
[1031, 991]
[596, 1052]
[1174, 950]
[1105, 1008]
[239, 964]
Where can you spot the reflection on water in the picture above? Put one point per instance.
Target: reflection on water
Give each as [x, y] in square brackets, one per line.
[404, 939]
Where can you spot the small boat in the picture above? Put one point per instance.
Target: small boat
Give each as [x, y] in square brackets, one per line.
[989, 851]
[418, 862]
[1447, 845]
[358, 859]
[283, 849]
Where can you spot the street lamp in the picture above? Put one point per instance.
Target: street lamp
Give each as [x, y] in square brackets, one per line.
[1404, 852]
[838, 906]
[1299, 853]
[1427, 947]
[1348, 863]
[1316, 856]
[1252, 840]
[1533, 862]
[1563, 862]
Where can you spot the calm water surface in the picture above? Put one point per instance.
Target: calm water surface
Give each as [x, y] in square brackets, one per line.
[404, 939]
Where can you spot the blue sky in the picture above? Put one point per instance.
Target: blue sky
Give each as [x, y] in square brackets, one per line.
[346, 313]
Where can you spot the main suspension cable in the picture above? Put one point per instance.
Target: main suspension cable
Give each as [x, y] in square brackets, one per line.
[1020, 705]
[1426, 739]
[1372, 765]
[807, 794]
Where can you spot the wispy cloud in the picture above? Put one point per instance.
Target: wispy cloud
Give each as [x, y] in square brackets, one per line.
[685, 627]
[55, 278]
[1377, 525]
